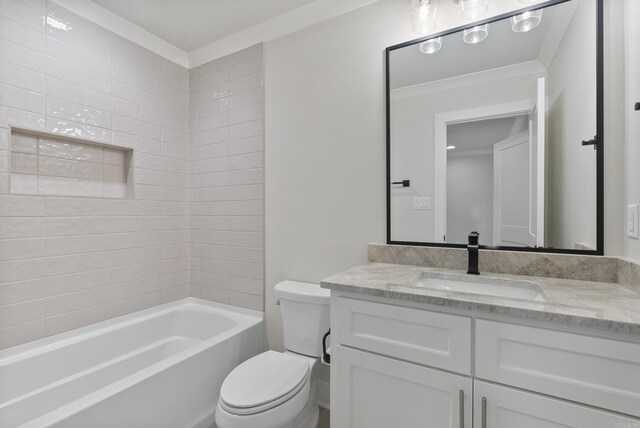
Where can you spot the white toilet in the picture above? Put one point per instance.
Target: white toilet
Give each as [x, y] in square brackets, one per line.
[275, 389]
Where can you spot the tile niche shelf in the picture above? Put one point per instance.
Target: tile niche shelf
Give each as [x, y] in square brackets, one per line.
[42, 163]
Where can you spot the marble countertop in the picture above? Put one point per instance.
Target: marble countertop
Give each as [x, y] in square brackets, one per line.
[595, 305]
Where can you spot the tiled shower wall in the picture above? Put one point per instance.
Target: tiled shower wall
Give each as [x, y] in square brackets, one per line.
[67, 262]
[226, 179]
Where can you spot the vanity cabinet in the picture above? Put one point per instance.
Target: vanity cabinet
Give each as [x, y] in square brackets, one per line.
[381, 392]
[502, 407]
[410, 366]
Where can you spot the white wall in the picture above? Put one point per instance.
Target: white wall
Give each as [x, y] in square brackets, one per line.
[632, 96]
[226, 179]
[571, 168]
[69, 262]
[469, 197]
[325, 142]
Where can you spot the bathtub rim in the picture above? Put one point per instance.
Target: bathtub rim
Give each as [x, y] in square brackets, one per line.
[111, 324]
[247, 319]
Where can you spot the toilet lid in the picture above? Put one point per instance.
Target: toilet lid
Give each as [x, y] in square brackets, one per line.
[263, 382]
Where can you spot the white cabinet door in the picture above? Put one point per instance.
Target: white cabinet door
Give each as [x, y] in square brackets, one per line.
[372, 391]
[502, 407]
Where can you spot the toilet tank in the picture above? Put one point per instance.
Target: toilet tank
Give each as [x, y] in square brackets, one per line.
[305, 316]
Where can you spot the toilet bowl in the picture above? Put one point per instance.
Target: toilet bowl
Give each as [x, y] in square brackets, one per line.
[277, 389]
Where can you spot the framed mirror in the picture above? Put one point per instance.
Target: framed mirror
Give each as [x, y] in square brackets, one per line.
[497, 128]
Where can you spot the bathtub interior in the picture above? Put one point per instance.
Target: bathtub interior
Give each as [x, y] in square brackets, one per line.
[44, 378]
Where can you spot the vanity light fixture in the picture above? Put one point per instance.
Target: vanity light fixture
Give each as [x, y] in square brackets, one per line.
[476, 34]
[473, 9]
[431, 46]
[526, 21]
[451, 147]
[424, 15]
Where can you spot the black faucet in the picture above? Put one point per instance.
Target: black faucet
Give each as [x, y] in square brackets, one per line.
[472, 249]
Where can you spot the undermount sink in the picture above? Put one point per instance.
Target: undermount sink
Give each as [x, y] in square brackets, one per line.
[499, 287]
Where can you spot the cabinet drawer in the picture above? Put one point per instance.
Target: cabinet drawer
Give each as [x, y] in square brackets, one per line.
[429, 338]
[601, 372]
[503, 407]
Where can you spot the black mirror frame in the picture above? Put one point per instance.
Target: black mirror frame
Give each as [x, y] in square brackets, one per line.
[599, 251]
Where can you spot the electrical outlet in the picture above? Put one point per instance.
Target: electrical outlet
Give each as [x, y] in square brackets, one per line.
[632, 221]
[421, 203]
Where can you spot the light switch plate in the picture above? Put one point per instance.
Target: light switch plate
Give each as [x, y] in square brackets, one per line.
[632, 221]
[420, 203]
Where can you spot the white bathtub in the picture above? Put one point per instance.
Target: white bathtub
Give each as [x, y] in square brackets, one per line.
[161, 367]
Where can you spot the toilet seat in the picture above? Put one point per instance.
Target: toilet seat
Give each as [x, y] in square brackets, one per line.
[264, 382]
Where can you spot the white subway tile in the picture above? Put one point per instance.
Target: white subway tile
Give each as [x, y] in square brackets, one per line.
[244, 130]
[78, 130]
[81, 244]
[75, 74]
[246, 285]
[21, 312]
[23, 291]
[136, 111]
[77, 281]
[219, 295]
[17, 55]
[21, 77]
[246, 161]
[246, 239]
[135, 127]
[247, 301]
[18, 249]
[21, 206]
[135, 224]
[85, 59]
[23, 163]
[21, 333]
[20, 118]
[133, 256]
[75, 263]
[246, 270]
[21, 270]
[246, 176]
[77, 113]
[57, 88]
[21, 227]
[246, 114]
[22, 13]
[246, 83]
[246, 223]
[17, 98]
[136, 239]
[175, 293]
[56, 186]
[24, 184]
[246, 98]
[246, 145]
[23, 143]
[252, 208]
[93, 314]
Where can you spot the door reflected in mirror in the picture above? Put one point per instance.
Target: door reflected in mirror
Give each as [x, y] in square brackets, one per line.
[490, 133]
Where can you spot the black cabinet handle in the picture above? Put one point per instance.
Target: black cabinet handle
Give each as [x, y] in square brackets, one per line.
[405, 183]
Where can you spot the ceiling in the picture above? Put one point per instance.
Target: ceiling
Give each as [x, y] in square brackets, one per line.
[502, 47]
[481, 135]
[191, 24]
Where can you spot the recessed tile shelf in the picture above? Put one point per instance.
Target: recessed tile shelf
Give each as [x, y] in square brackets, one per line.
[42, 163]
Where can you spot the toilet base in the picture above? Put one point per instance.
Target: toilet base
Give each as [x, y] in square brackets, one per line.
[309, 416]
